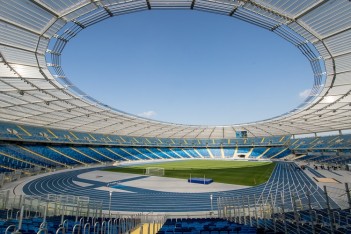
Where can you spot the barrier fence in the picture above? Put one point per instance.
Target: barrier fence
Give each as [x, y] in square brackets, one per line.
[302, 208]
[290, 215]
[74, 215]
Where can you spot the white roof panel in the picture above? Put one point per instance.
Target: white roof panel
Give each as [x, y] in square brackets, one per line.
[33, 94]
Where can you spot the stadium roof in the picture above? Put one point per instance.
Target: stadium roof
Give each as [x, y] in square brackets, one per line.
[34, 89]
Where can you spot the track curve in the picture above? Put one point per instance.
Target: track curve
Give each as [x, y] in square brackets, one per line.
[284, 178]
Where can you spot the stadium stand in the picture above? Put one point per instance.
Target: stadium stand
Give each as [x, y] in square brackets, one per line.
[325, 150]
[229, 152]
[50, 135]
[170, 153]
[258, 209]
[35, 149]
[33, 222]
[192, 153]
[216, 152]
[135, 153]
[147, 153]
[243, 152]
[160, 153]
[204, 225]
[277, 153]
[335, 149]
[258, 152]
[330, 150]
[181, 153]
[203, 152]
[74, 131]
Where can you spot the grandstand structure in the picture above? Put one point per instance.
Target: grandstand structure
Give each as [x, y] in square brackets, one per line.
[47, 124]
[36, 91]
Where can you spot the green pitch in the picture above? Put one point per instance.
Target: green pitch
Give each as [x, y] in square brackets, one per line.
[229, 172]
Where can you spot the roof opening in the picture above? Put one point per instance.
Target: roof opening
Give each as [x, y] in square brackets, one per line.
[188, 67]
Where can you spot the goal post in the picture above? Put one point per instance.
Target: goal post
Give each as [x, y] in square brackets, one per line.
[155, 171]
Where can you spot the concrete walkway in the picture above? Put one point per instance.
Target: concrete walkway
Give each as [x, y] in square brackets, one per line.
[161, 184]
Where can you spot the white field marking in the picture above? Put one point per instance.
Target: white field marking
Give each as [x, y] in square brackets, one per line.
[105, 188]
[106, 176]
[81, 184]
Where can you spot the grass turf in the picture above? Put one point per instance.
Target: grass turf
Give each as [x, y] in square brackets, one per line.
[229, 172]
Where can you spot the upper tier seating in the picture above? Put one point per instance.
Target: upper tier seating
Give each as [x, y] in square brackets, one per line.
[33, 133]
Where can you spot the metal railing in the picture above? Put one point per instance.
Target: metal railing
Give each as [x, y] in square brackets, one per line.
[297, 214]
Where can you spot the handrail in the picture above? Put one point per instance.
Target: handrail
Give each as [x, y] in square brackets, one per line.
[62, 229]
[87, 225]
[27, 213]
[43, 225]
[42, 230]
[17, 213]
[115, 224]
[348, 217]
[75, 227]
[109, 226]
[7, 213]
[103, 227]
[96, 225]
[9, 227]
[36, 214]
[65, 222]
[315, 215]
[334, 219]
[322, 219]
[119, 230]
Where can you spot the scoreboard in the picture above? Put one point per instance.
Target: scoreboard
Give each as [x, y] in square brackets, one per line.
[241, 134]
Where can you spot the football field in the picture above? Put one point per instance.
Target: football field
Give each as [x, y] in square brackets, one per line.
[221, 171]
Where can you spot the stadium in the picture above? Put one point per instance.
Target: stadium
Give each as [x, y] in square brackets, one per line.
[71, 164]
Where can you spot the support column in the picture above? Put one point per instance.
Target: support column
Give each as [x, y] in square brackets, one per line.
[328, 208]
[310, 211]
[348, 195]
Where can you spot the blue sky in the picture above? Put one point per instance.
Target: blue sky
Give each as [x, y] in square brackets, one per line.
[188, 67]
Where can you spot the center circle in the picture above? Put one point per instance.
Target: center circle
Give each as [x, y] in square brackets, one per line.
[188, 67]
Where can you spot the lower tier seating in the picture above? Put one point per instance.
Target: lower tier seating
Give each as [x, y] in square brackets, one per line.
[204, 225]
